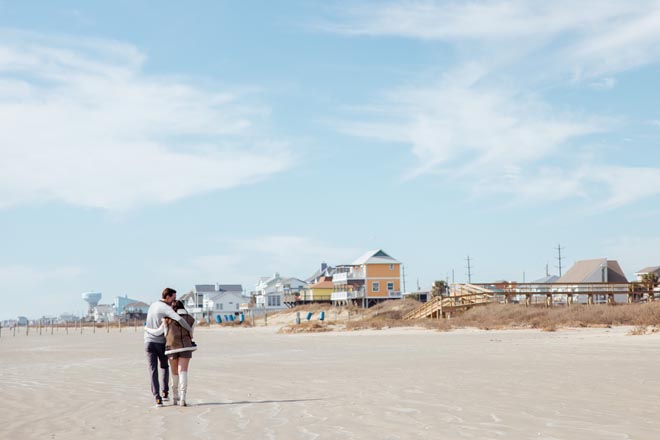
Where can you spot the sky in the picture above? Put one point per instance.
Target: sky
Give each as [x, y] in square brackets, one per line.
[148, 145]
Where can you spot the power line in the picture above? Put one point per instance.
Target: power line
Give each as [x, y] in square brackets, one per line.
[469, 270]
[559, 258]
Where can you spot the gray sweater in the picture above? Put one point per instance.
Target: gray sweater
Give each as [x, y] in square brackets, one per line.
[157, 311]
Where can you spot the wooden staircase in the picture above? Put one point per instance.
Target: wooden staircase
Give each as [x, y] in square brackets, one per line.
[463, 297]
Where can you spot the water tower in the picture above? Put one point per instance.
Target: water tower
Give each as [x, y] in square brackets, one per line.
[92, 299]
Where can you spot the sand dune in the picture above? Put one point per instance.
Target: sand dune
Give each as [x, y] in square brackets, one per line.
[252, 383]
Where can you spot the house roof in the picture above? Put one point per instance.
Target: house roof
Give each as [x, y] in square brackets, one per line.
[204, 288]
[547, 279]
[224, 293]
[135, 305]
[591, 271]
[292, 279]
[186, 296]
[327, 271]
[324, 284]
[649, 270]
[376, 256]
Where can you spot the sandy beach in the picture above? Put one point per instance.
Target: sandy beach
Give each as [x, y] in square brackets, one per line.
[252, 383]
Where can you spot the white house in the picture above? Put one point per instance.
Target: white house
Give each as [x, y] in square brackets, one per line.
[270, 291]
[224, 303]
[205, 299]
[104, 313]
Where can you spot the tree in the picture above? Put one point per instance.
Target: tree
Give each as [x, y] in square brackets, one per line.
[439, 288]
[650, 281]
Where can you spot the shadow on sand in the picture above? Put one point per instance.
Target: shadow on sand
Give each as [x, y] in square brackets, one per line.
[245, 402]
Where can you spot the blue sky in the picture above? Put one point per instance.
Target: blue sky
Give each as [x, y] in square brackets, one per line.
[144, 147]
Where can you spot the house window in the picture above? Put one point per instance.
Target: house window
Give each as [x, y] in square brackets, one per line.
[390, 286]
[218, 306]
[375, 286]
[391, 267]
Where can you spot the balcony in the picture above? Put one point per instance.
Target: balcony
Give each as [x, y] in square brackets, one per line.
[346, 295]
[394, 294]
[344, 277]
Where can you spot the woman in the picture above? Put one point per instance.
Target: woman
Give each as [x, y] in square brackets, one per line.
[178, 348]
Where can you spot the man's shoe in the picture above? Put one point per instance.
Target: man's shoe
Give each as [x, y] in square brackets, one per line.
[166, 395]
[159, 401]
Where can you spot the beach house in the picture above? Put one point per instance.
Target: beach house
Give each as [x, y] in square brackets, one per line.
[270, 292]
[651, 269]
[320, 291]
[205, 299]
[372, 278]
[594, 275]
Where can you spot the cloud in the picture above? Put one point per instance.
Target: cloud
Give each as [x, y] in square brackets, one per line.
[81, 122]
[501, 20]
[487, 123]
[460, 123]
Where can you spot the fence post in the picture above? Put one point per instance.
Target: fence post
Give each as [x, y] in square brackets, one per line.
[40, 327]
[266, 318]
[119, 324]
[27, 329]
[51, 326]
[107, 326]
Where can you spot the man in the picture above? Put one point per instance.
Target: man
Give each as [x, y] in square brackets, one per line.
[155, 345]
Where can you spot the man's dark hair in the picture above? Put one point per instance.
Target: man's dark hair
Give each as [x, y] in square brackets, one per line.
[167, 292]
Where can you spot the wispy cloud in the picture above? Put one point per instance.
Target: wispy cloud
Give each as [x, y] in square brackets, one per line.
[461, 123]
[486, 122]
[81, 122]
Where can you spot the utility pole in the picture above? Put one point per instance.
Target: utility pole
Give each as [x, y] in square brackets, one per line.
[559, 258]
[452, 276]
[469, 270]
[403, 268]
[547, 274]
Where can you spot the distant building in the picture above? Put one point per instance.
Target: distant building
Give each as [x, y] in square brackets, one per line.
[372, 278]
[651, 269]
[270, 291]
[321, 290]
[121, 302]
[104, 313]
[324, 272]
[546, 279]
[204, 299]
[135, 310]
[599, 270]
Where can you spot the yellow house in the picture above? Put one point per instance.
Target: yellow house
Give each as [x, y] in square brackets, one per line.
[320, 291]
[372, 278]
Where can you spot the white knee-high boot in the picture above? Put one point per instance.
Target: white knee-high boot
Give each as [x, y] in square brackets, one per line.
[175, 389]
[183, 387]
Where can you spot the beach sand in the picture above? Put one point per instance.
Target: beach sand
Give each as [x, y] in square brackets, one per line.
[252, 383]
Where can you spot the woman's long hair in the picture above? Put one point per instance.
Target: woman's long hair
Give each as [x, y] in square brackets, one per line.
[178, 305]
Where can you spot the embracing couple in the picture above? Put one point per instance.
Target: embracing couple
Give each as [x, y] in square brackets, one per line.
[168, 333]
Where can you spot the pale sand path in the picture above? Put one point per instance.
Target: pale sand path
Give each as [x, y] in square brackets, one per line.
[393, 384]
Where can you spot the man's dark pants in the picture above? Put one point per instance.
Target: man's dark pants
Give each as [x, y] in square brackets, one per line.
[155, 354]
